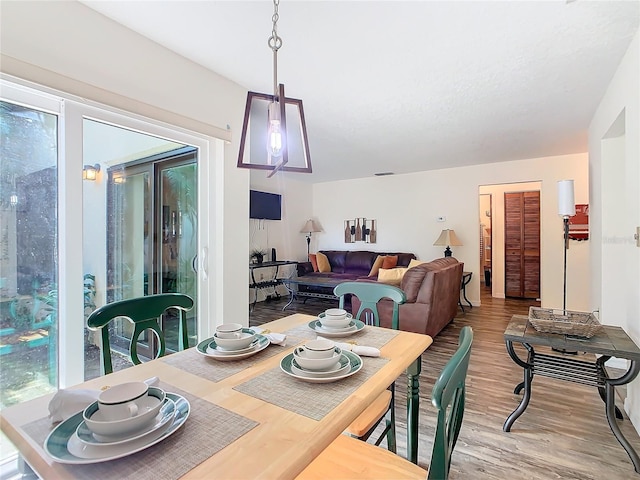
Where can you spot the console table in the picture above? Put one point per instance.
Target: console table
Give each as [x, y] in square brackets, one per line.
[610, 342]
[273, 280]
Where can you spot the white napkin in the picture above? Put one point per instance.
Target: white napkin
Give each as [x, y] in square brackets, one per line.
[359, 349]
[66, 403]
[275, 338]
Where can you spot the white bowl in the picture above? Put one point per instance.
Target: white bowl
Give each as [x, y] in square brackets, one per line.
[335, 322]
[316, 364]
[244, 339]
[335, 312]
[149, 406]
[228, 330]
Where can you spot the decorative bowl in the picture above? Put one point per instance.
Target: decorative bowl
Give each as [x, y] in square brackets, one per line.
[335, 322]
[316, 364]
[244, 339]
[148, 408]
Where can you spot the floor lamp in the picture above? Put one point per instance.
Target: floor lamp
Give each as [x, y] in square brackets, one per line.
[566, 208]
[310, 227]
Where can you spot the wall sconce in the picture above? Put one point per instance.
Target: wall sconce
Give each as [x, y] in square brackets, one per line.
[13, 199]
[90, 172]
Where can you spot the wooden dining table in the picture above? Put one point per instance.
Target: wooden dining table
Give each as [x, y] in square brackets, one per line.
[248, 418]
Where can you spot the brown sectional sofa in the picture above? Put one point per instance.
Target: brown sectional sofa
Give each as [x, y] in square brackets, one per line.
[433, 292]
[432, 289]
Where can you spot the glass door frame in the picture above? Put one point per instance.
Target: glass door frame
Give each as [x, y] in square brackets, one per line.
[72, 111]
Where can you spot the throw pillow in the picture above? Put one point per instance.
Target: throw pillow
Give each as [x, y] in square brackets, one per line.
[415, 263]
[376, 266]
[314, 261]
[390, 261]
[392, 276]
[323, 263]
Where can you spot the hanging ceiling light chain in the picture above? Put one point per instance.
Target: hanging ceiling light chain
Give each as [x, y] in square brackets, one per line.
[275, 42]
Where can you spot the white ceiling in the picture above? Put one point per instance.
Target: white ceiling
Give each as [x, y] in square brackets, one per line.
[410, 86]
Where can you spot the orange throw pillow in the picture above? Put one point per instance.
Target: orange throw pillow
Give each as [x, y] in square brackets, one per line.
[390, 261]
[376, 266]
[314, 261]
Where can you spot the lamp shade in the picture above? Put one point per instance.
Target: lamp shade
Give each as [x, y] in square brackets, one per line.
[447, 238]
[566, 201]
[310, 227]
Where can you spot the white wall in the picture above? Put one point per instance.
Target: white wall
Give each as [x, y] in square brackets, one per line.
[82, 52]
[406, 208]
[614, 164]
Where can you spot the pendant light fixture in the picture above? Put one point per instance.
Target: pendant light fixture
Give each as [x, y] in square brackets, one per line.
[274, 132]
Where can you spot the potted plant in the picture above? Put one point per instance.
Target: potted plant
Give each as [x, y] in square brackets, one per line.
[257, 255]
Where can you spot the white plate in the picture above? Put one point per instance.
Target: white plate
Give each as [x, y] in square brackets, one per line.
[167, 412]
[208, 349]
[316, 327]
[355, 365]
[64, 446]
[344, 365]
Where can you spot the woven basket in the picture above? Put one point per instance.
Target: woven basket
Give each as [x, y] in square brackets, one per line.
[578, 324]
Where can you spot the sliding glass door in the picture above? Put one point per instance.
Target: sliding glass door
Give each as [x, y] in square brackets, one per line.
[152, 228]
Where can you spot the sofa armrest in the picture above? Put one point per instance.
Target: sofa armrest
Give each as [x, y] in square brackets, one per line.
[304, 268]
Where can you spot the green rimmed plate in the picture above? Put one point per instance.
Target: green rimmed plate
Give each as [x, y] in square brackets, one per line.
[64, 446]
[208, 349]
[355, 327]
[354, 360]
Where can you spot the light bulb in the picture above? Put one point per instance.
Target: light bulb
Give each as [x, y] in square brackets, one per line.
[274, 134]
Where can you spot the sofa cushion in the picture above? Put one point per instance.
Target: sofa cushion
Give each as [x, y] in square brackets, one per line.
[390, 261]
[359, 262]
[337, 259]
[412, 280]
[391, 276]
[323, 263]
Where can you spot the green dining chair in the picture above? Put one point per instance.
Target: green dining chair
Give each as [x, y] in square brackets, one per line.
[383, 407]
[144, 313]
[348, 458]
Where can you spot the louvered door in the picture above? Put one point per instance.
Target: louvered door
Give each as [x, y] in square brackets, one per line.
[522, 244]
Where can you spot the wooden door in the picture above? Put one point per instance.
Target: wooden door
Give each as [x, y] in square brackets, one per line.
[522, 244]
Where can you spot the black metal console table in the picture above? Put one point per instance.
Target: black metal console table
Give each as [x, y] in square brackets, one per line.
[466, 279]
[610, 342]
[272, 282]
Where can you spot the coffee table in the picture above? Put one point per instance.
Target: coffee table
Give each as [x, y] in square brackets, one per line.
[293, 284]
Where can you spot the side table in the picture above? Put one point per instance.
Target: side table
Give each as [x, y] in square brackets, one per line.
[466, 278]
[610, 342]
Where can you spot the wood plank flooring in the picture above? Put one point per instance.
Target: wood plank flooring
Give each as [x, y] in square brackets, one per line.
[562, 435]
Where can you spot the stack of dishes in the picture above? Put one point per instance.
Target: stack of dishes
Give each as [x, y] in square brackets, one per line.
[336, 322]
[125, 419]
[232, 342]
[320, 361]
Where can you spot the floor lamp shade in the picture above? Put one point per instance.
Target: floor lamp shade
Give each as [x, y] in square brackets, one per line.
[566, 201]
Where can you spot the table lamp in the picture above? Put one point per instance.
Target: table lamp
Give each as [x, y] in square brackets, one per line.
[447, 238]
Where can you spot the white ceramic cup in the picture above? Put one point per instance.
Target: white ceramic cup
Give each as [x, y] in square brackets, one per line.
[335, 313]
[119, 402]
[229, 330]
[320, 348]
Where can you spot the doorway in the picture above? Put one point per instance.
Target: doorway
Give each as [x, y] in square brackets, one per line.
[496, 194]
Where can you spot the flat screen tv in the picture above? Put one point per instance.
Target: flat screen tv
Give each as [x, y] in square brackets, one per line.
[265, 206]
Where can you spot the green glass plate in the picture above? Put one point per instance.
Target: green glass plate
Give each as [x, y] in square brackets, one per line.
[355, 360]
[57, 443]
